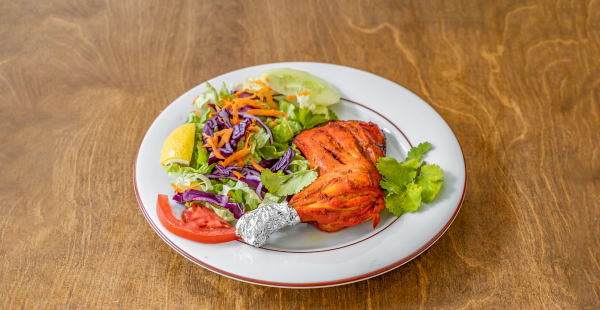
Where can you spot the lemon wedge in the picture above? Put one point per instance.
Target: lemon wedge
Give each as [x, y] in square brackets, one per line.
[179, 146]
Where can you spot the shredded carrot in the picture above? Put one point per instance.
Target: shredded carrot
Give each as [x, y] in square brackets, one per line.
[236, 116]
[196, 99]
[238, 93]
[235, 156]
[224, 139]
[250, 102]
[216, 151]
[192, 186]
[223, 132]
[304, 93]
[251, 92]
[224, 136]
[255, 165]
[267, 90]
[229, 194]
[260, 83]
[270, 99]
[273, 124]
[260, 94]
[236, 120]
[263, 112]
[197, 112]
[237, 174]
[247, 142]
[212, 114]
[213, 144]
[177, 189]
[227, 105]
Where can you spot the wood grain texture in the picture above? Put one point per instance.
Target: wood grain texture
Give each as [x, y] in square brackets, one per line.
[518, 81]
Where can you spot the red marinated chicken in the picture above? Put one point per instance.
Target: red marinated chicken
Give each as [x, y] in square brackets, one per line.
[347, 191]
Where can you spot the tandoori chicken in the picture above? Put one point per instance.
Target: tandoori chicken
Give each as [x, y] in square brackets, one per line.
[347, 191]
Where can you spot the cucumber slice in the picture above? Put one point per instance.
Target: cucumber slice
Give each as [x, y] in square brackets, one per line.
[291, 82]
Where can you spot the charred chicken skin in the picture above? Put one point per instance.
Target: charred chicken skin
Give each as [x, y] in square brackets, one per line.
[347, 191]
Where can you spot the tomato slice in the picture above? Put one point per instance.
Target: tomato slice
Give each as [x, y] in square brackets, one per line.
[198, 223]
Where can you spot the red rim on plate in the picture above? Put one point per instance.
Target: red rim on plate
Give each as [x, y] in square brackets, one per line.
[349, 280]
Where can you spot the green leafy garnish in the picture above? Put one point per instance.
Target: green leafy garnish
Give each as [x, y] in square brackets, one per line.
[302, 118]
[209, 94]
[272, 151]
[309, 120]
[184, 176]
[285, 131]
[418, 151]
[408, 200]
[224, 92]
[410, 182]
[431, 181]
[280, 184]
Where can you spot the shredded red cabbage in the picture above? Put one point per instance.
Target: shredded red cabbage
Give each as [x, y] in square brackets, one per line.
[284, 160]
[239, 130]
[226, 150]
[267, 129]
[249, 170]
[259, 190]
[209, 128]
[224, 114]
[220, 200]
[268, 163]
[251, 175]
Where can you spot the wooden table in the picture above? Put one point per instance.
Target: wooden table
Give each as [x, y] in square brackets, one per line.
[517, 81]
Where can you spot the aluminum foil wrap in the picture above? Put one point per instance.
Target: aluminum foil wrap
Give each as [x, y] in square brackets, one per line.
[256, 226]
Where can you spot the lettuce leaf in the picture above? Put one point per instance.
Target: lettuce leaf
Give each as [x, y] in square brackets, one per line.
[210, 94]
[240, 192]
[285, 131]
[224, 92]
[185, 176]
[272, 151]
[221, 212]
[308, 119]
[270, 199]
[280, 184]
[304, 116]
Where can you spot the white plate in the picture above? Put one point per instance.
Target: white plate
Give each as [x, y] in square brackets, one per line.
[303, 256]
